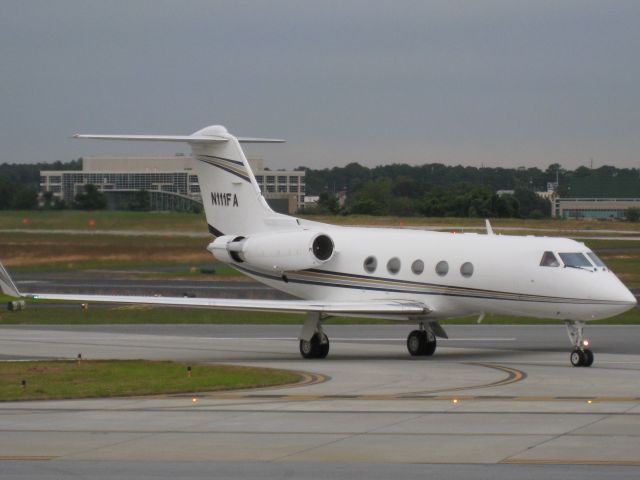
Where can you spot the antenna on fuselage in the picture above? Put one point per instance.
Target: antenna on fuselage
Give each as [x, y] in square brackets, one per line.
[488, 225]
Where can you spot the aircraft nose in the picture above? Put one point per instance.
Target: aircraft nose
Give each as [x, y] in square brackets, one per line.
[623, 295]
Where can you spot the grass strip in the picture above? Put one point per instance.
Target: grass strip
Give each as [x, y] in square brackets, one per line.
[49, 380]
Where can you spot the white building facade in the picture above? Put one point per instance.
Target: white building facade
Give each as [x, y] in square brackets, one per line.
[170, 180]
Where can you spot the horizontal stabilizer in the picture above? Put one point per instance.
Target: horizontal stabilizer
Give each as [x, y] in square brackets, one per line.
[158, 138]
[178, 138]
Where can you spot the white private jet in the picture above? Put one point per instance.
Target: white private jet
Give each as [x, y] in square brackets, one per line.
[395, 274]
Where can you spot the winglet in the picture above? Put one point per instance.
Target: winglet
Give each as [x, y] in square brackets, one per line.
[6, 284]
[488, 225]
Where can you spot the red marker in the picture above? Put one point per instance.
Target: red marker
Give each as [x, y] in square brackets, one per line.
[92, 223]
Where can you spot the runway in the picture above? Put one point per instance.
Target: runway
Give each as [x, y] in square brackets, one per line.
[504, 397]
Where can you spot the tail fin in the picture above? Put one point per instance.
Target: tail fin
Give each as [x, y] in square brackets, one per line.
[232, 200]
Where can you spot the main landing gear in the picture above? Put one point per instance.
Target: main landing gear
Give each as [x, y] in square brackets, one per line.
[421, 342]
[316, 347]
[314, 343]
[581, 356]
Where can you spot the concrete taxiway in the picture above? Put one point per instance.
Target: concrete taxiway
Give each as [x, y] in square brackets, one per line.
[505, 397]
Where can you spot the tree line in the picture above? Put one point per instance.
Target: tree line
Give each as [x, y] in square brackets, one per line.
[397, 189]
[442, 190]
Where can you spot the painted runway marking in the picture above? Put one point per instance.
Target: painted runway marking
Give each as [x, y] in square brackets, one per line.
[360, 339]
[443, 398]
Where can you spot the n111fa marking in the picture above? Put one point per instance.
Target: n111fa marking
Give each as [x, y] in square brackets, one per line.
[224, 199]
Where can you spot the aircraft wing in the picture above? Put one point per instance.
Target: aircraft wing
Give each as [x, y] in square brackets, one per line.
[385, 307]
[375, 307]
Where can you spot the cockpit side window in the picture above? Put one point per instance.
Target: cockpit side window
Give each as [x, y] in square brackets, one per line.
[549, 260]
[595, 259]
[575, 259]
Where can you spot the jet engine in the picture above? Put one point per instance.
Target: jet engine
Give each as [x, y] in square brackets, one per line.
[282, 251]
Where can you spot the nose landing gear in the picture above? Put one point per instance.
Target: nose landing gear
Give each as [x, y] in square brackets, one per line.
[581, 356]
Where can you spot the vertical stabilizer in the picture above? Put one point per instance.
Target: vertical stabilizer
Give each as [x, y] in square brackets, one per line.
[231, 197]
[232, 200]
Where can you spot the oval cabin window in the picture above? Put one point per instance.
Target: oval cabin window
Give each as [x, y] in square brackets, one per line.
[417, 267]
[370, 264]
[442, 268]
[466, 269]
[393, 265]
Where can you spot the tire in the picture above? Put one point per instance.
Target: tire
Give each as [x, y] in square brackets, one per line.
[578, 358]
[313, 348]
[323, 349]
[430, 347]
[416, 343]
[309, 349]
[588, 358]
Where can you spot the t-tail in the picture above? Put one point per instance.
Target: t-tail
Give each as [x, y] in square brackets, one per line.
[232, 200]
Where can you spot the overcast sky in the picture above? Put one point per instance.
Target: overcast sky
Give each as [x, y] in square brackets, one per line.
[500, 83]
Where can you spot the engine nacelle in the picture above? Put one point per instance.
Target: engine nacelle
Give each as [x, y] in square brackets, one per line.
[282, 251]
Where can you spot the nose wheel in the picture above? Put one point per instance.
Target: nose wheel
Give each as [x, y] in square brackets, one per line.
[581, 356]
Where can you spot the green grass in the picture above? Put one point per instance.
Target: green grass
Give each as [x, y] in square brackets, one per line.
[177, 222]
[46, 380]
[104, 220]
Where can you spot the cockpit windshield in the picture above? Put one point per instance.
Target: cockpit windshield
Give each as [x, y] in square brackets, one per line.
[549, 260]
[575, 259]
[595, 259]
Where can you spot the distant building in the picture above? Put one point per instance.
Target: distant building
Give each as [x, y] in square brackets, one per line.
[598, 208]
[170, 180]
[602, 198]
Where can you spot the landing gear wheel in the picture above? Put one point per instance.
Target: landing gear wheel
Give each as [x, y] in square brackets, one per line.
[419, 344]
[416, 342]
[314, 348]
[323, 349]
[430, 347]
[578, 358]
[581, 356]
[588, 360]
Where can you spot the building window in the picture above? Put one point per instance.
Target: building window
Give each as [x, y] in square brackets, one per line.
[260, 178]
[293, 188]
[54, 179]
[282, 189]
[271, 188]
[442, 268]
[282, 179]
[293, 179]
[193, 179]
[271, 179]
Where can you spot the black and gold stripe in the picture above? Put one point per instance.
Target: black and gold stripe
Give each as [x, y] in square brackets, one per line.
[234, 167]
[363, 282]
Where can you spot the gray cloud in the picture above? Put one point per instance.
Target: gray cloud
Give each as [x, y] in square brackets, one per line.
[496, 82]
